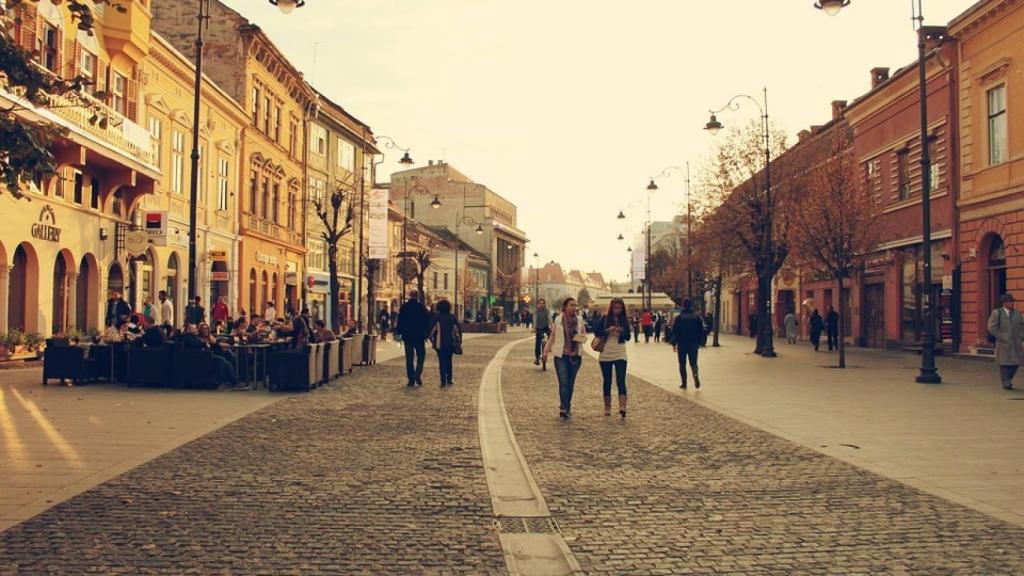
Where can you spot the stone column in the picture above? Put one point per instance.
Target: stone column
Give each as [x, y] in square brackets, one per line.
[5, 287]
[71, 310]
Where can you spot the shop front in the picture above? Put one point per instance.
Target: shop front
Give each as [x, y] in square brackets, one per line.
[318, 290]
[263, 265]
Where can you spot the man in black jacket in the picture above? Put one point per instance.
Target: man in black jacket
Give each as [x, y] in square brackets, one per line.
[832, 328]
[413, 325]
[687, 335]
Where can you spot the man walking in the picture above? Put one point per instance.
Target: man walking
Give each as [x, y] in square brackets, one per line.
[542, 328]
[790, 323]
[832, 328]
[817, 327]
[687, 334]
[413, 325]
[166, 310]
[1006, 325]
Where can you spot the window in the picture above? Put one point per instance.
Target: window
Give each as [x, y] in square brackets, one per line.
[445, 280]
[903, 174]
[50, 49]
[89, 65]
[346, 155]
[266, 115]
[64, 180]
[95, 200]
[997, 125]
[317, 191]
[293, 134]
[277, 124]
[223, 169]
[318, 140]
[276, 203]
[252, 192]
[156, 132]
[119, 90]
[291, 210]
[256, 97]
[315, 254]
[177, 162]
[873, 176]
[79, 185]
[265, 211]
[935, 166]
[435, 280]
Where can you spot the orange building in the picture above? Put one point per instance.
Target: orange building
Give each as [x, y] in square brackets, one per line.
[991, 205]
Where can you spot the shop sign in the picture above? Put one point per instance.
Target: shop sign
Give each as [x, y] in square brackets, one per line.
[319, 283]
[156, 227]
[46, 228]
[220, 276]
[378, 241]
[291, 266]
[291, 279]
[267, 259]
[218, 255]
[136, 242]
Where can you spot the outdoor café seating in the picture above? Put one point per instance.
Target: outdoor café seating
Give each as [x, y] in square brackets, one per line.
[73, 363]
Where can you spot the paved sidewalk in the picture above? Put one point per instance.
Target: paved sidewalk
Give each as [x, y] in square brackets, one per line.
[962, 440]
[363, 476]
[59, 441]
[678, 488]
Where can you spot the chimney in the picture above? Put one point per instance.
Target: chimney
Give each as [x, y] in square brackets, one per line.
[934, 36]
[430, 162]
[837, 108]
[802, 135]
[878, 75]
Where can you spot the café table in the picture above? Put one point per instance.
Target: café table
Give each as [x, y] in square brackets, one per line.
[258, 352]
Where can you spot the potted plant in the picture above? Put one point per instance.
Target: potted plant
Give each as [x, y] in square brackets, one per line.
[75, 336]
[15, 342]
[93, 334]
[34, 342]
[4, 354]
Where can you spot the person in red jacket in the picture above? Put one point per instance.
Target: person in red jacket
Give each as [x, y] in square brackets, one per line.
[220, 311]
[647, 323]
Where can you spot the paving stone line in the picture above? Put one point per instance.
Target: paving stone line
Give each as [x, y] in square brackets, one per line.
[360, 477]
[680, 489]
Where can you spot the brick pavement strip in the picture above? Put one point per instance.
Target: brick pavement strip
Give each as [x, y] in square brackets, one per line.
[680, 489]
[360, 477]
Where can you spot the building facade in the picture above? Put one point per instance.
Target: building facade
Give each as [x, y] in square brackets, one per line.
[990, 42]
[61, 249]
[278, 103]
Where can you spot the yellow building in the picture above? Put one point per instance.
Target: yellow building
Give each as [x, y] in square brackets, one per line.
[243, 61]
[61, 248]
[167, 91]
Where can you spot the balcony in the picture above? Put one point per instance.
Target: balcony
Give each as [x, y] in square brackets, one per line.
[254, 223]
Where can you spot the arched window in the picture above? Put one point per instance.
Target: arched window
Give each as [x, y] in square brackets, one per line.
[266, 291]
[253, 311]
[275, 206]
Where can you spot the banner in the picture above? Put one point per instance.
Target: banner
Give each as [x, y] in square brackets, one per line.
[156, 227]
[378, 241]
[639, 264]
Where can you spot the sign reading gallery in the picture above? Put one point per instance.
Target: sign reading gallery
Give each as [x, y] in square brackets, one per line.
[46, 228]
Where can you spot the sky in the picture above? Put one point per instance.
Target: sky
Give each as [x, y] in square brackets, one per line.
[568, 107]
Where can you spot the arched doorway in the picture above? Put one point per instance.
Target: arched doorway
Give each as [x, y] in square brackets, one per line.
[252, 294]
[996, 271]
[266, 291]
[172, 284]
[274, 295]
[60, 322]
[23, 296]
[86, 297]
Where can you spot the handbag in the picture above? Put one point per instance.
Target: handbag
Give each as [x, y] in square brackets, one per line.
[457, 337]
[597, 344]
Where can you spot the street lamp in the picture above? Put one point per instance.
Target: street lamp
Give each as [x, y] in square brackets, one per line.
[435, 204]
[689, 252]
[390, 144]
[459, 220]
[202, 16]
[929, 373]
[713, 126]
[286, 6]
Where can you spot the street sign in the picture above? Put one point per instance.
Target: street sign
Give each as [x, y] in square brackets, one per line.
[136, 242]
[407, 270]
[156, 227]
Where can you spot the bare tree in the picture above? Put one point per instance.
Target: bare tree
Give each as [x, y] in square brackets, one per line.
[836, 223]
[336, 214]
[736, 178]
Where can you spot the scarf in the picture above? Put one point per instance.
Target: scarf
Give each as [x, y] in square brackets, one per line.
[571, 328]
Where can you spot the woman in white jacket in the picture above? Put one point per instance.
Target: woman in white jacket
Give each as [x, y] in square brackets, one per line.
[568, 333]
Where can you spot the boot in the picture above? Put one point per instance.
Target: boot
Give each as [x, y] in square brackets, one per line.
[607, 405]
[622, 405]
[696, 379]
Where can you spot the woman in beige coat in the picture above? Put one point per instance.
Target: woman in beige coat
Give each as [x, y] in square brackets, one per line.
[1006, 325]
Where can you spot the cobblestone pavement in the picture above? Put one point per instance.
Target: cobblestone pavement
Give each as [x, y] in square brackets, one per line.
[360, 477]
[680, 489]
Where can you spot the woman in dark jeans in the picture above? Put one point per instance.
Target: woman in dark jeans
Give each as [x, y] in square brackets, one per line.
[445, 334]
[614, 330]
[568, 333]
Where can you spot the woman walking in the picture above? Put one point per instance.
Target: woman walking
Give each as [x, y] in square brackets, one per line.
[817, 327]
[659, 326]
[568, 333]
[613, 330]
[446, 337]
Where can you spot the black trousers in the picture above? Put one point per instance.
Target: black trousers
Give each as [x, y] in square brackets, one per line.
[1006, 374]
[538, 338]
[444, 362]
[419, 349]
[833, 339]
[687, 357]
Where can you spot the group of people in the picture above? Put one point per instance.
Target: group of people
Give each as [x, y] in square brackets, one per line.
[829, 325]
[415, 324]
[565, 334]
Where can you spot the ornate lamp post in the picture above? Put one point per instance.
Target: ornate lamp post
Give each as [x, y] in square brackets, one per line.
[713, 126]
[203, 15]
[647, 295]
[928, 373]
[435, 204]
